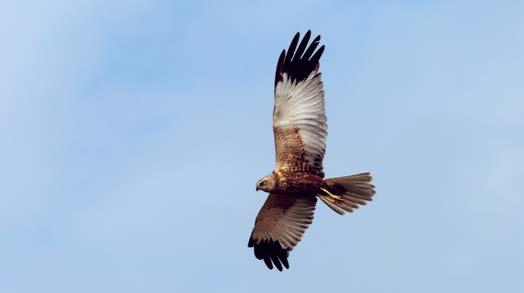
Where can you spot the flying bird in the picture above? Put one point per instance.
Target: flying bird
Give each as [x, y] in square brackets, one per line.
[300, 130]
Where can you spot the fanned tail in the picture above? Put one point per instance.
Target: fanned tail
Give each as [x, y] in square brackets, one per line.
[347, 193]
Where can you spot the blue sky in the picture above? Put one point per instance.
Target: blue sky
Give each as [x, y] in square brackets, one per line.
[133, 132]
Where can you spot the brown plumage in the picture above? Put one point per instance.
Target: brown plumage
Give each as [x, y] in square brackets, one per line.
[300, 129]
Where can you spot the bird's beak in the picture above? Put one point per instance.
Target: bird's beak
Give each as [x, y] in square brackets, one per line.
[258, 188]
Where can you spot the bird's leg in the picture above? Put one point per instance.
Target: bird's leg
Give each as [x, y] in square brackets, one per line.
[332, 197]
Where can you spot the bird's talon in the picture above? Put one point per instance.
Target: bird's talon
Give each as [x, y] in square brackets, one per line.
[332, 198]
[338, 197]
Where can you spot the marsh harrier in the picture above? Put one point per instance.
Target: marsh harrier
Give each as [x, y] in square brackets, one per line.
[300, 130]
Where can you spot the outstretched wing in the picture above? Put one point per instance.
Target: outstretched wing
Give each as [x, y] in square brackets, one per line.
[299, 118]
[279, 226]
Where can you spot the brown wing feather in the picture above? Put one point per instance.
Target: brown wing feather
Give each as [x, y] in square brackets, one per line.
[279, 226]
[290, 152]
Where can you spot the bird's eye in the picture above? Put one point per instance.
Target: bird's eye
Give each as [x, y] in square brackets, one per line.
[262, 183]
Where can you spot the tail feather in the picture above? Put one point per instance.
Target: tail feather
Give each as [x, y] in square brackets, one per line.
[354, 190]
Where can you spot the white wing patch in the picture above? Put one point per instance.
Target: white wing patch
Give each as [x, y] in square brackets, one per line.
[301, 104]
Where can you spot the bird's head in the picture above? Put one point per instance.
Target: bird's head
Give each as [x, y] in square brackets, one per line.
[267, 183]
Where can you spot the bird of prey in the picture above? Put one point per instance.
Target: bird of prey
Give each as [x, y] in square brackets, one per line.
[300, 130]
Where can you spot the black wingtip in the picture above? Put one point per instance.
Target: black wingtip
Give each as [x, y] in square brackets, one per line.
[292, 47]
[280, 64]
[302, 47]
[299, 62]
[316, 58]
[285, 263]
[271, 252]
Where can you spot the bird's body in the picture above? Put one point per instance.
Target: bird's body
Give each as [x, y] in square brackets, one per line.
[296, 182]
[300, 130]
